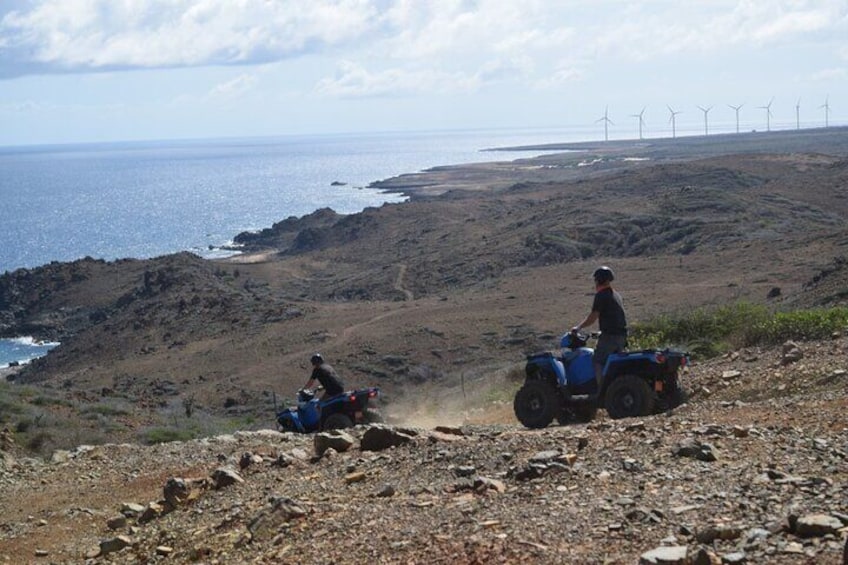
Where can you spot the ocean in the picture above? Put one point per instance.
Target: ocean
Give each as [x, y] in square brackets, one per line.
[145, 199]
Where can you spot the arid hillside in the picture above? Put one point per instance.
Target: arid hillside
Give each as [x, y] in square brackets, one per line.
[484, 264]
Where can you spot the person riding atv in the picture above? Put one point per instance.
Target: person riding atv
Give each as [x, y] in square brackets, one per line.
[608, 311]
[324, 373]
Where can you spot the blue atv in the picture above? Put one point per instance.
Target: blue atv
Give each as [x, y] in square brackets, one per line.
[635, 383]
[337, 412]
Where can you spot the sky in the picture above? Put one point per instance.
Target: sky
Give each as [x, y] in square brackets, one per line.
[111, 70]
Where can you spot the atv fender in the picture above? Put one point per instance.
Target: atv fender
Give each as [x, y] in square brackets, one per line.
[547, 367]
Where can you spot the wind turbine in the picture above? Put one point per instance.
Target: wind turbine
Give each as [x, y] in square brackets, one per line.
[606, 121]
[767, 108]
[798, 114]
[673, 121]
[706, 124]
[641, 120]
[826, 107]
[736, 109]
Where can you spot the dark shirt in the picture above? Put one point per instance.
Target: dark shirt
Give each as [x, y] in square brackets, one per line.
[612, 319]
[326, 375]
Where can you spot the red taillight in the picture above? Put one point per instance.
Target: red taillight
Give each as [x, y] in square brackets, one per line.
[372, 393]
[660, 358]
[353, 398]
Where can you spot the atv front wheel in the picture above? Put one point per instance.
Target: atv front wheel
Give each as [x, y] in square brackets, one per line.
[535, 404]
[629, 396]
[337, 421]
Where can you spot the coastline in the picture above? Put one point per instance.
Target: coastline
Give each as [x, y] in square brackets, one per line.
[20, 345]
[169, 197]
[565, 158]
[495, 174]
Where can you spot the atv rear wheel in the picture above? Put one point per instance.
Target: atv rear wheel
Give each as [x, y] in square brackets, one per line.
[371, 416]
[673, 398]
[535, 404]
[337, 421]
[629, 396]
[286, 425]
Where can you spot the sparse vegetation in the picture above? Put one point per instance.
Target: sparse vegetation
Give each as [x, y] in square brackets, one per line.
[105, 409]
[707, 332]
[46, 400]
[166, 434]
[43, 421]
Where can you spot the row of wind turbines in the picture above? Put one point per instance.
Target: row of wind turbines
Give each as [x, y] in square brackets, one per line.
[673, 117]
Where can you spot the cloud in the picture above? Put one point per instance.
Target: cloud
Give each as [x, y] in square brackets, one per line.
[645, 30]
[354, 81]
[91, 35]
[232, 89]
[460, 44]
[826, 75]
[561, 76]
[25, 107]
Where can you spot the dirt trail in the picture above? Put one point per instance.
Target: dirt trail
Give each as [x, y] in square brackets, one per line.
[399, 282]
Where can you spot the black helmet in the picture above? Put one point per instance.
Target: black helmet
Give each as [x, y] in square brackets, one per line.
[316, 359]
[603, 275]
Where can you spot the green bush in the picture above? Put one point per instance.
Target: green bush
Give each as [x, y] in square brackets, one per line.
[104, 409]
[707, 332]
[819, 323]
[38, 441]
[164, 435]
[43, 400]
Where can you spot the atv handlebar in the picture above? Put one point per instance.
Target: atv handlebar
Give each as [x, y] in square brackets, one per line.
[306, 394]
[583, 336]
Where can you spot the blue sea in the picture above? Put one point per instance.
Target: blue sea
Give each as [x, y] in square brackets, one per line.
[145, 199]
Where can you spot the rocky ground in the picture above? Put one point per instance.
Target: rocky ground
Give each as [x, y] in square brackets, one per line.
[718, 480]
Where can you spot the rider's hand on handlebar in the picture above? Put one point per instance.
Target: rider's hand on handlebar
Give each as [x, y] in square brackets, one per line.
[575, 330]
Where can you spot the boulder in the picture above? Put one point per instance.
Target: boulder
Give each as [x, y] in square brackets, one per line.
[224, 477]
[724, 532]
[118, 522]
[268, 523]
[379, 437]
[694, 449]
[247, 459]
[153, 511]
[178, 491]
[337, 440]
[112, 545]
[671, 555]
[817, 525]
[791, 353]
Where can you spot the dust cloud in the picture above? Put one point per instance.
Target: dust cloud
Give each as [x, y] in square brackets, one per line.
[484, 399]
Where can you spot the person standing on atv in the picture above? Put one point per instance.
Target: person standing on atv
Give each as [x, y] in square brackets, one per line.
[324, 373]
[608, 311]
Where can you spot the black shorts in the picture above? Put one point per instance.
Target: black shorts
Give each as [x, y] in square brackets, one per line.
[608, 344]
